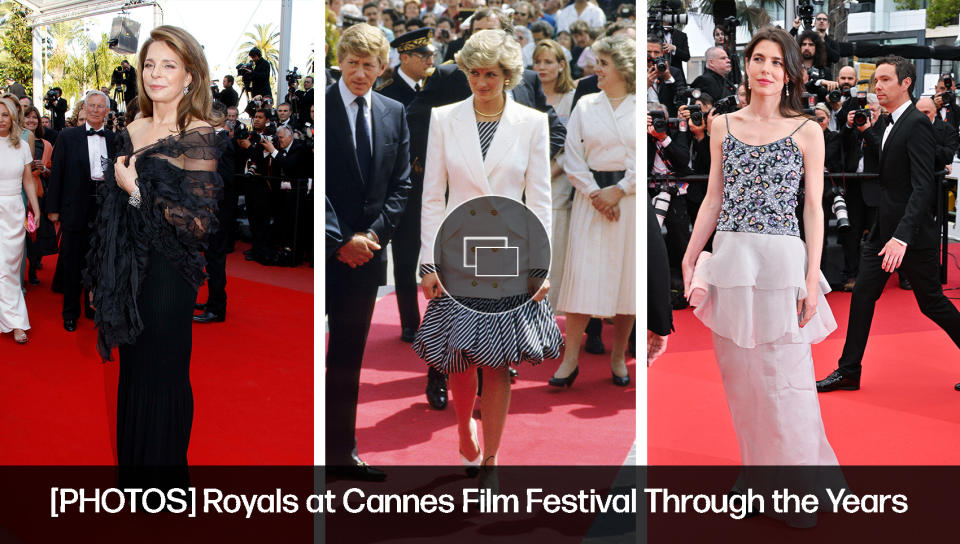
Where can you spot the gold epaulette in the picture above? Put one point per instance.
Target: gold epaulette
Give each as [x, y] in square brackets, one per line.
[384, 85]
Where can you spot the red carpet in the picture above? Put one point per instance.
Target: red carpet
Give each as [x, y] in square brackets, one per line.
[593, 423]
[252, 378]
[906, 411]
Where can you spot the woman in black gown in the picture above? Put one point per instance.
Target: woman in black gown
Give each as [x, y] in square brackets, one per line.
[145, 262]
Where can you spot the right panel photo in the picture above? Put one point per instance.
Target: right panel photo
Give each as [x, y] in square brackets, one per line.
[801, 244]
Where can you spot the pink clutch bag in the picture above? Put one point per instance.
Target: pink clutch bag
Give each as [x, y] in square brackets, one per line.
[31, 222]
[698, 287]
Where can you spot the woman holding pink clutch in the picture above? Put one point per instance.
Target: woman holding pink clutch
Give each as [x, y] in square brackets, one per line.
[15, 179]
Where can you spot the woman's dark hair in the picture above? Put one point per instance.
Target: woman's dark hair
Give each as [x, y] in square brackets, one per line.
[820, 49]
[792, 105]
[39, 130]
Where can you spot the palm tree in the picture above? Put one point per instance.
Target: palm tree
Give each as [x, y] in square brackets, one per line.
[267, 41]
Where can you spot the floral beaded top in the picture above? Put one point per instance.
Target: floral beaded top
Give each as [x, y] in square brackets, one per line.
[761, 185]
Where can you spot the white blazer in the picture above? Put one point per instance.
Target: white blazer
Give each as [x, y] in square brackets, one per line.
[517, 165]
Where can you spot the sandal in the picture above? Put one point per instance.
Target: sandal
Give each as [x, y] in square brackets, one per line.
[20, 336]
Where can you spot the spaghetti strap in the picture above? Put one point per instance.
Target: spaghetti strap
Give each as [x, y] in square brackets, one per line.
[726, 118]
[798, 127]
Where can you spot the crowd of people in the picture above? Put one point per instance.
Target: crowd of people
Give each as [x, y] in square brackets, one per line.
[431, 106]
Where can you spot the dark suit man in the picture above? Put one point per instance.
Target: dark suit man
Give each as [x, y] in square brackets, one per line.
[368, 189]
[905, 234]
[215, 309]
[293, 162]
[416, 58]
[662, 86]
[259, 78]
[945, 135]
[15, 88]
[58, 109]
[713, 80]
[675, 45]
[78, 168]
[228, 95]
[306, 99]
[948, 111]
[257, 190]
[668, 153]
[129, 81]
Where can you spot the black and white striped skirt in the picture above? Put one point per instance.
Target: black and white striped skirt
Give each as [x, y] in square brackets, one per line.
[453, 337]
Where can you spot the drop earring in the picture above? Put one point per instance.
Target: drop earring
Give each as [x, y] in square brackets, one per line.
[186, 89]
[787, 87]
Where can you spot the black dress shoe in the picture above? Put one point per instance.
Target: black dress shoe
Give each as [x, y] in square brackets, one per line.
[905, 283]
[836, 380]
[200, 307]
[408, 334]
[594, 345]
[436, 389]
[621, 381]
[209, 317]
[360, 471]
[70, 325]
[565, 382]
[957, 387]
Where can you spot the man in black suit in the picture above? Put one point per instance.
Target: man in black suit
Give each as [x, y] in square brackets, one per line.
[905, 234]
[668, 153]
[257, 189]
[15, 88]
[416, 58]
[78, 168]
[58, 109]
[662, 85]
[675, 45]
[946, 136]
[949, 110]
[447, 85]
[368, 189]
[228, 95]
[713, 80]
[215, 309]
[306, 100]
[293, 162]
[128, 80]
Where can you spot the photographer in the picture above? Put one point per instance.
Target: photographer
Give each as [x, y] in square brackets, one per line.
[442, 38]
[821, 24]
[838, 100]
[293, 162]
[304, 101]
[668, 154]
[813, 52]
[663, 80]
[947, 138]
[861, 154]
[228, 96]
[54, 102]
[293, 92]
[946, 100]
[713, 81]
[128, 80]
[256, 75]
[698, 117]
[257, 189]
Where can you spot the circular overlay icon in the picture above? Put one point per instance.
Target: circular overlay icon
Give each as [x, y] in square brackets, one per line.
[492, 254]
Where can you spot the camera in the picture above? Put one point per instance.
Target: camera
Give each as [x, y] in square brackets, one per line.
[814, 73]
[805, 11]
[730, 24]
[661, 123]
[839, 209]
[860, 117]
[661, 202]
[241, 131]
[667, 12]
[685, 95]
[808, 101]
[727, 104]
[293, 77]
[245, 68]
[948, 97]
[948, 81]
[696, 114]
[660, 63]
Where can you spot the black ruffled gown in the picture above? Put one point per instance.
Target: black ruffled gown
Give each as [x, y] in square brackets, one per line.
[144, 268]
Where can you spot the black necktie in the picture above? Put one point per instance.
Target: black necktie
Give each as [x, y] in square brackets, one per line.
[364, 154]
[416, 87]
[91, 132]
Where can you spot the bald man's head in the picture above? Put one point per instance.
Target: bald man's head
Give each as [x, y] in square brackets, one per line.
[847, 77]
[928, 108]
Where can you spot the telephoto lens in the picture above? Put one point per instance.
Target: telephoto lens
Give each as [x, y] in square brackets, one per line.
[839, 209]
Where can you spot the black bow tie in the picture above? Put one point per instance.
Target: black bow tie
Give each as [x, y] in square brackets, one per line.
[91, 132]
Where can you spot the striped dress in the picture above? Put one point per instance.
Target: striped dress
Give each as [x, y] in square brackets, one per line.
[496, 332]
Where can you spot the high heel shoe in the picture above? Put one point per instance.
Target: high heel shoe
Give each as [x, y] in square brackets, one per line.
[621, 381]
[565, 382]
[20, 336]
[488, 476]
[473, 466]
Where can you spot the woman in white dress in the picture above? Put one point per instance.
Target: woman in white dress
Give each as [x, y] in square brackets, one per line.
[763, 287]
[551, 65]
[484, 146]
[15, 179]
[600, 162]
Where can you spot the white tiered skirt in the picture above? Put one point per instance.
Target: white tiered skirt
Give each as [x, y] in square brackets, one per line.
[753, 284]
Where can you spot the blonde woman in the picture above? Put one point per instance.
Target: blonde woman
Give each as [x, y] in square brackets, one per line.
[145, 263]
[486, 145]
[15, 180]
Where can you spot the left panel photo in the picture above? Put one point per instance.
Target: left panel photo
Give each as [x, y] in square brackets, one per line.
[156, 212]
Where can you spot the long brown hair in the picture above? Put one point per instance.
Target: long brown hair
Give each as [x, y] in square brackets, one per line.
[564, 82]
[195, 104]
[790, 105]
[38, 132]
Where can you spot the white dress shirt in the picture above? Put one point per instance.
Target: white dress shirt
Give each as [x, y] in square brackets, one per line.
[592, 15]
[894, 116]
[97, 152]
[407, 79]
[352, 110]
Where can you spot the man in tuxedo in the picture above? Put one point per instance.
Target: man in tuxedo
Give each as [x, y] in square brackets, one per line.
[259, 79]
[447, 85]
[713, 80]
[258, 190]
[215, 309]
[662, 86]
[905, 234]
[367, 188]
[128, 80]
[416, 58]
[949, 110]
[306, 100]
[79, 161]
[668, 153]
[58, 109]
[675, 45]
[285, 116]
[946, 136]
[293, 162]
